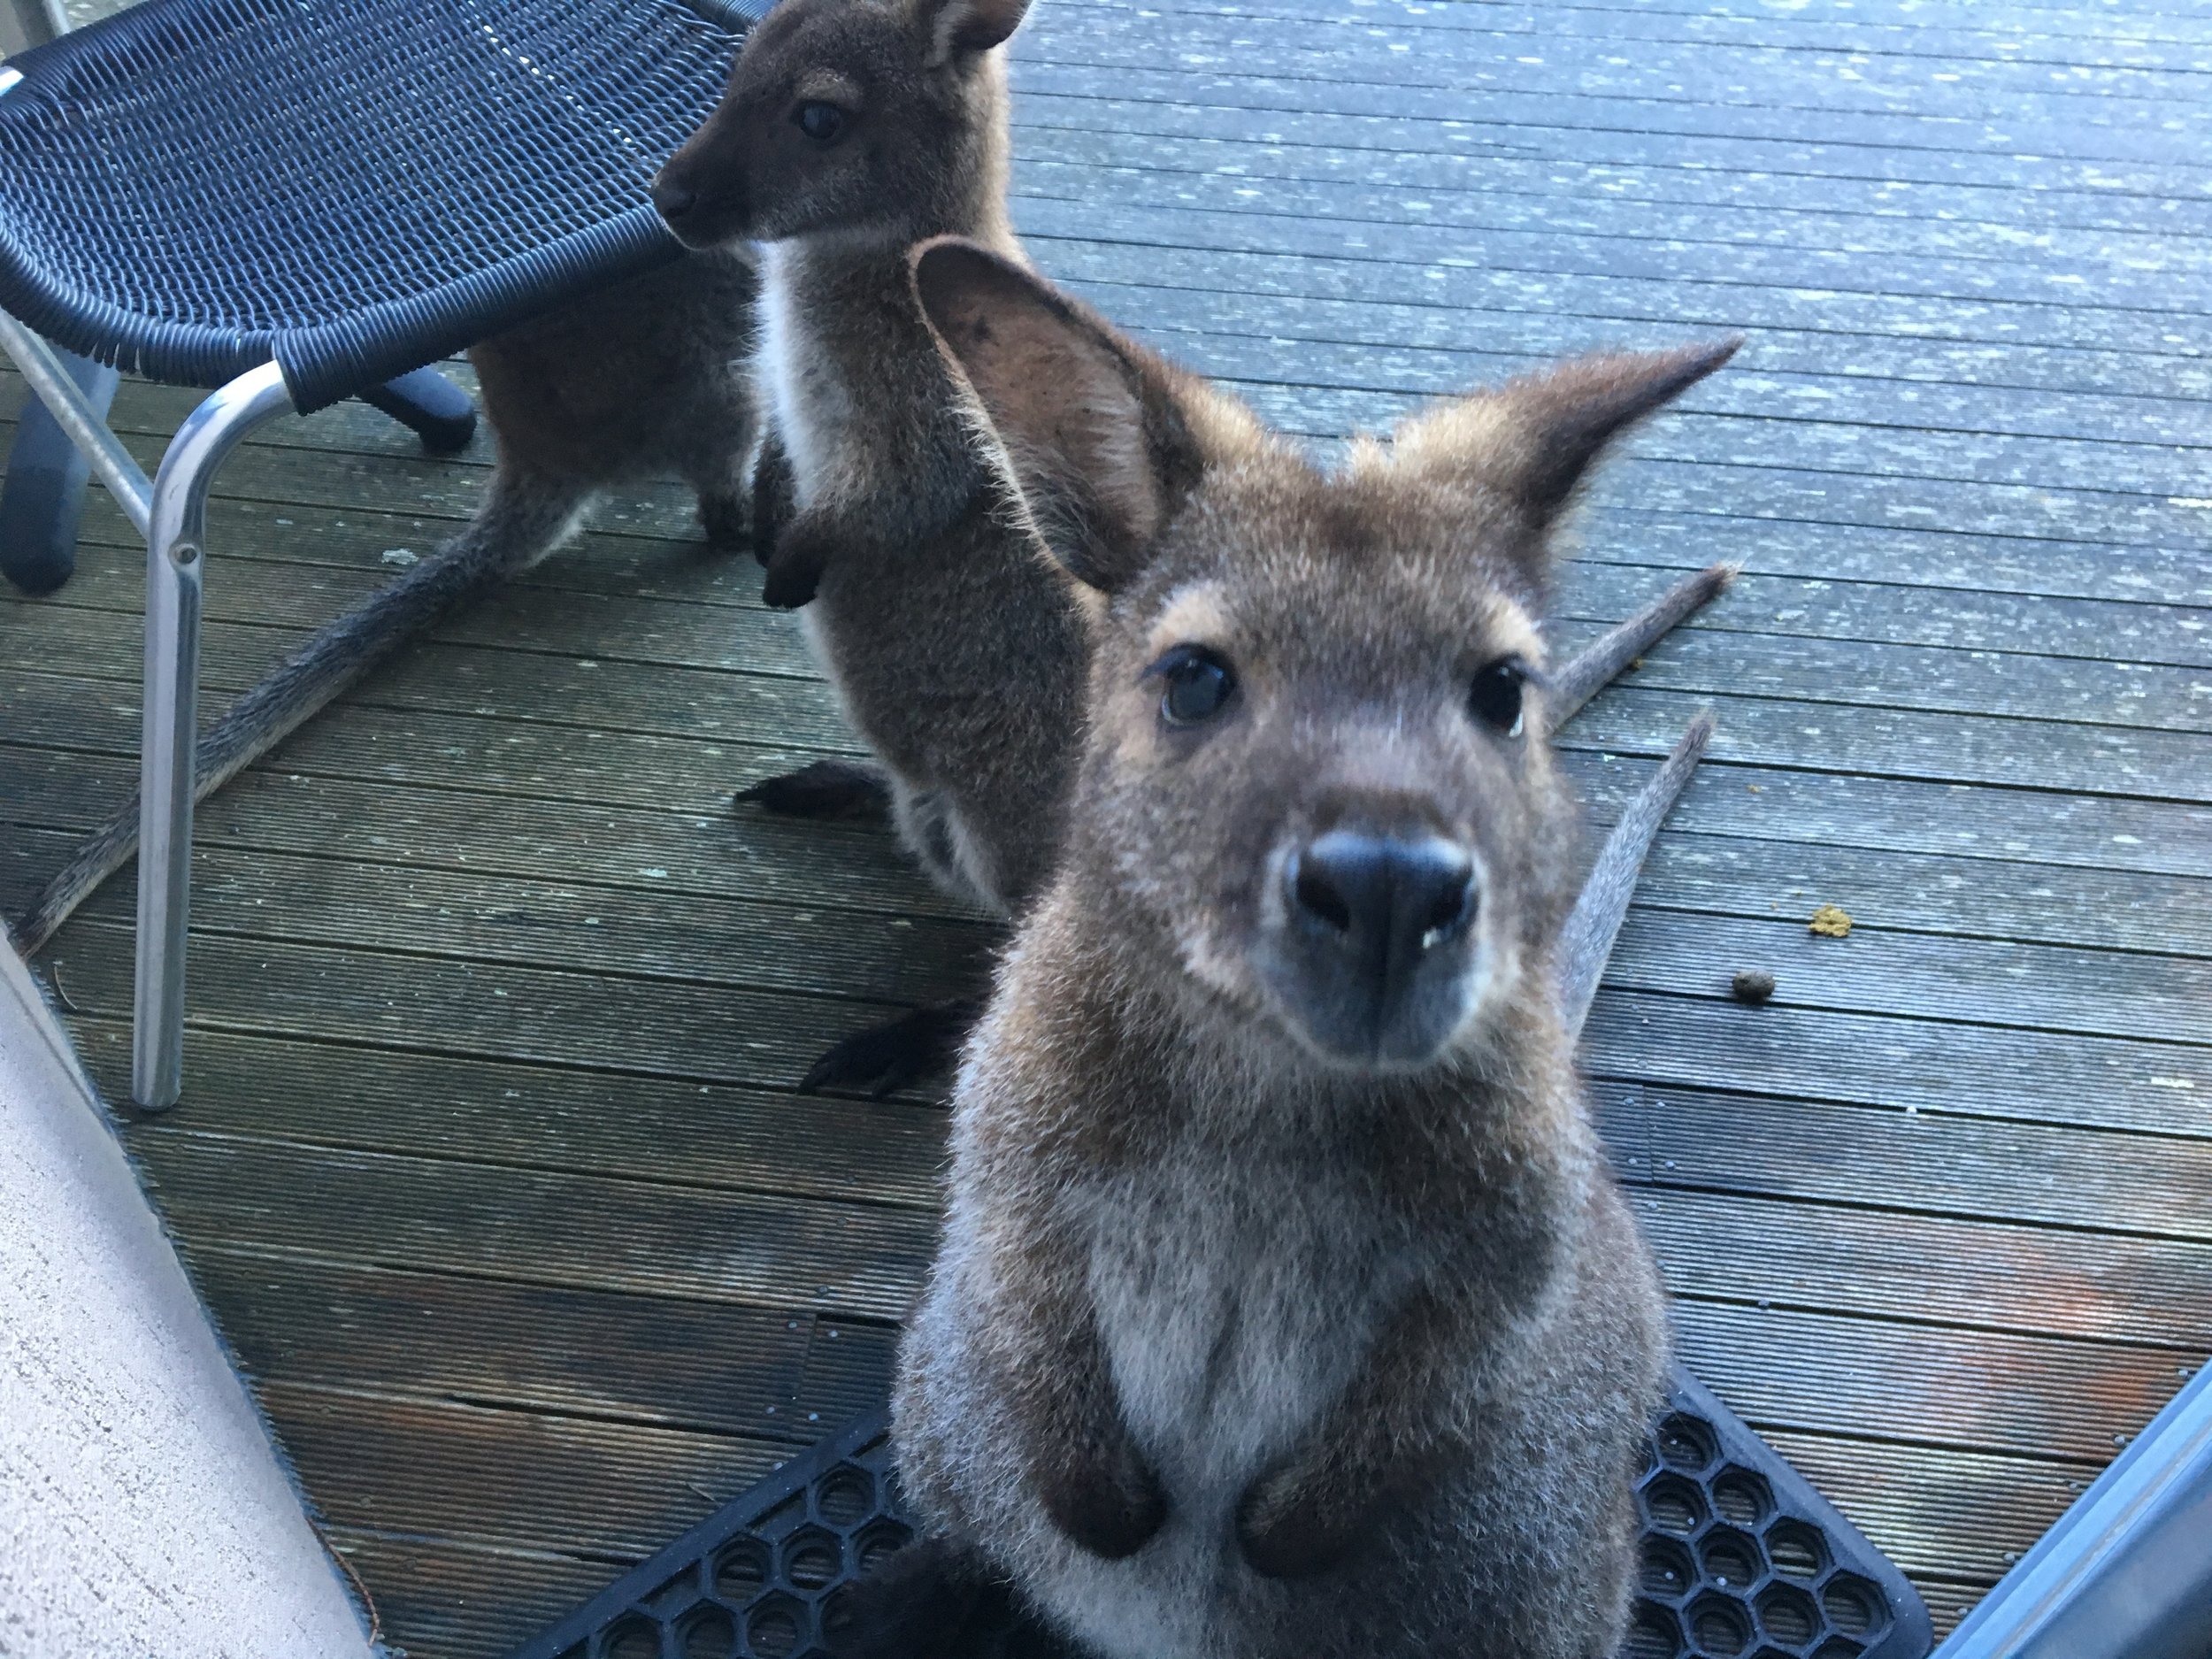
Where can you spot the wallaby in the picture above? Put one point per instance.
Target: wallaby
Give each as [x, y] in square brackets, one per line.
[1285, 1306]
[645, 379]
[848, 134]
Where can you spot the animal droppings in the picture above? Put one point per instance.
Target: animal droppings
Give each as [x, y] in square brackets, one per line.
[1829, 921]
[1752, 985]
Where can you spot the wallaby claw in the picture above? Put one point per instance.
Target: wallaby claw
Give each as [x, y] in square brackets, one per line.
[823, 789]
[886, 1058]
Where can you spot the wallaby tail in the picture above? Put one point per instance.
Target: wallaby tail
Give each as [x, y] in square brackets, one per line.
[522, 520]
[1598, 664]
[1586, 942]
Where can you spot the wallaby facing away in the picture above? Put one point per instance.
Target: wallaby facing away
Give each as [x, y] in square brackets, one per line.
[849, 133]
[1280, 1248]
[640, 381]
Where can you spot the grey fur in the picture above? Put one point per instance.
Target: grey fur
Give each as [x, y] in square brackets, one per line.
[955, 651]
[644, 379]
[1239, 1346]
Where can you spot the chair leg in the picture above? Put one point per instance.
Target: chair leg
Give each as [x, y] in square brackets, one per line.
[43, 498]
[176, 555]
[431, 406]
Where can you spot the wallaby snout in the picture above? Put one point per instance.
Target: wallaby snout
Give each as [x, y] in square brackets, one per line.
[700, 193]
[1377, 942]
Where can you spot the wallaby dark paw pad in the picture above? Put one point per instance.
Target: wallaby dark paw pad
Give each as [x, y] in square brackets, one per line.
[886, 1058]
[1112, 1512]
[824, 789]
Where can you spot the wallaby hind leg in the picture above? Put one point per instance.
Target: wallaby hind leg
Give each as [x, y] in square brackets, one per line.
[523, 517]
[824, 789]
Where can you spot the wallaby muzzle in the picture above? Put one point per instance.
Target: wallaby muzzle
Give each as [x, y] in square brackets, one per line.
[1375, 952]
[700, 194]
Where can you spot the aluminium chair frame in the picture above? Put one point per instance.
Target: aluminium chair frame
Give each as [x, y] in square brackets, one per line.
[170, 513]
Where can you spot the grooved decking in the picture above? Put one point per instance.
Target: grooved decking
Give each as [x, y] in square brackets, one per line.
[487, 1163]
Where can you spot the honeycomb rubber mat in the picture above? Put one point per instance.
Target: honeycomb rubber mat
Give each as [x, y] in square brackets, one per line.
[1741, 1559]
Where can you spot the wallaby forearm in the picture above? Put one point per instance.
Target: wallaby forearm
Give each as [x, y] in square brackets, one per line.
[1081, 1458]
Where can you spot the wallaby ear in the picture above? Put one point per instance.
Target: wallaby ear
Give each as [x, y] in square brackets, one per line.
[1533, 439]
[1088, 422]
[970, 26]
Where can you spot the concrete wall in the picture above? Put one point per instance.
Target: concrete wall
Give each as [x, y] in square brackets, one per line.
[141, 1509]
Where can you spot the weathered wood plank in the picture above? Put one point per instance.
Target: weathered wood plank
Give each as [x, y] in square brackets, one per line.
[645, 1236]
[715, 1368]
[1977, 107]
[1919, 1064]
[2043, 42]
[1057, 93]
[1766, 68]
[1934, 1511]
[1880, 1264]
[1930, 1162]
[465, 1601]
[513, 1477]
[1969, 1391]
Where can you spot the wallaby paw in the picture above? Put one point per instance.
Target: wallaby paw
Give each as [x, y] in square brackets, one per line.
[886, 1058]
[1110, 1505]
[823, 789]
[1288, 1530]
[795, 568]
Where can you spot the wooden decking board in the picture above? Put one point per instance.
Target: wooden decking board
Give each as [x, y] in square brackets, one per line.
[1167, 103]
[641, 616]
[1056, 126]
[1766, 92]
[1487, 43]
[486, 1162]
[1760, 29]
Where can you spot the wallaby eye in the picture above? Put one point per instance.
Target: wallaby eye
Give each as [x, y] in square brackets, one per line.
[824, 123]
[1495, 698]
[1199, 683]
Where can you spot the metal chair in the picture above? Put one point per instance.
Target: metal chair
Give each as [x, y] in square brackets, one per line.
[293, 202]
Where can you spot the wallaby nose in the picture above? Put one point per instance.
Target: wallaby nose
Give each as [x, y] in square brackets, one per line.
[1386, 900]
[673, 199]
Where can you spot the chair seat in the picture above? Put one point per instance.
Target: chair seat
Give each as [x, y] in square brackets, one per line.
[353, 187]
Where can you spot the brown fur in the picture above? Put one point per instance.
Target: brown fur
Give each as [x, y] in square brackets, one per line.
[955, 650]
[1240, 1298]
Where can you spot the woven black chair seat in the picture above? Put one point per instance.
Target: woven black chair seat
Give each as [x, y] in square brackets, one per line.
[353, 187]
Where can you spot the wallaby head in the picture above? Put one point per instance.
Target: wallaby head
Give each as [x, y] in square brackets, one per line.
[880, 118]
[1315, 776]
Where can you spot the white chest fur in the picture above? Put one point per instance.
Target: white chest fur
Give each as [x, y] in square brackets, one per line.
[1236, 1311]
[807, 399]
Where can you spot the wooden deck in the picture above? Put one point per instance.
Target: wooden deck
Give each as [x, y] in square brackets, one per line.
[486, 1162]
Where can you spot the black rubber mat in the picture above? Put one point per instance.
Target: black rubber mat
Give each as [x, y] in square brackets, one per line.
[1741, 1557]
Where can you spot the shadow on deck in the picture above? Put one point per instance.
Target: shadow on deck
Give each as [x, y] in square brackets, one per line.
[486, 1161]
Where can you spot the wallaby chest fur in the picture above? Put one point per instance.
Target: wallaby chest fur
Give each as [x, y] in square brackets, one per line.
[1239, 1254]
